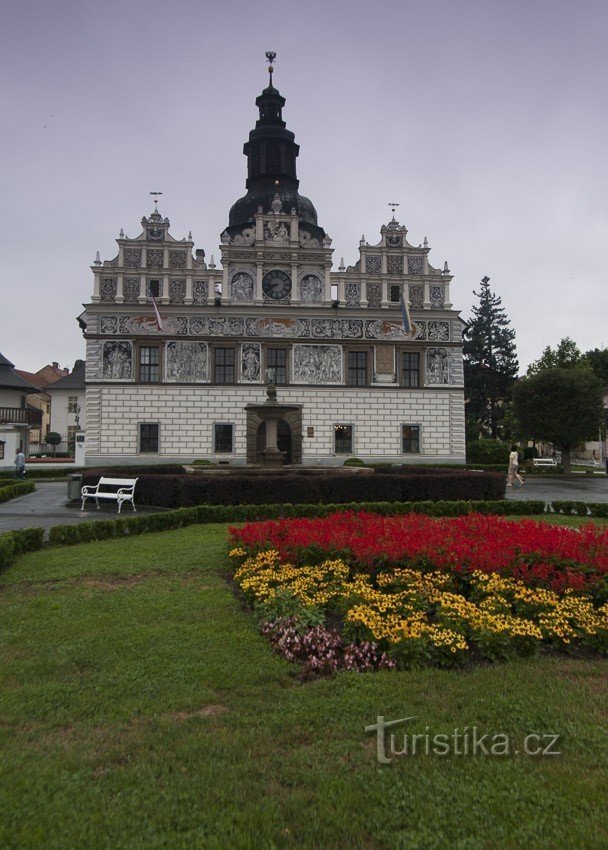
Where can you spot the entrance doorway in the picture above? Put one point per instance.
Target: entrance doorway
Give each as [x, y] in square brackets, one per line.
[283, 440]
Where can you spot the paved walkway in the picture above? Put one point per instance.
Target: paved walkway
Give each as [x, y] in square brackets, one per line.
[47, 506]
[578, 488]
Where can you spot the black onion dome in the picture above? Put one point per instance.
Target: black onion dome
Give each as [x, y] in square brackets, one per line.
[243, 211]
[271, 153]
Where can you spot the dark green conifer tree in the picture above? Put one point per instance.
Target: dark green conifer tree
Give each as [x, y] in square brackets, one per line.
[490, 363]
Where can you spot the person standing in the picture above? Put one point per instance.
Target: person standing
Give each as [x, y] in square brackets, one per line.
[513, 468]
[19, 464]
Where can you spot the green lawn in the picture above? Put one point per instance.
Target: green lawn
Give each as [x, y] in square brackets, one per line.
[139, 708]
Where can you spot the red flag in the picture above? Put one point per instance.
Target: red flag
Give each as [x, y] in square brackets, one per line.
[159, 321]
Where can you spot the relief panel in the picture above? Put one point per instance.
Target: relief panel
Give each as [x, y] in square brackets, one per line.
[155, 258]
[436, 296]
[132, 258]
[186, 362]
[439, 331]
[130, 290]
[437, 366]
[200, 291]
[250, 361]
[416, 296]
[317, 364]
[372, 264]
[415, 265]
[177, 291]
[117, 359]
[177, 259]
[241, 286]
[374, 294]
[394, 265]
[311, 289]
[352, 294]
[107, 290]
[388, 329]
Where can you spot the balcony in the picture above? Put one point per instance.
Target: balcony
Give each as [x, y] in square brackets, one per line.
[20, 416]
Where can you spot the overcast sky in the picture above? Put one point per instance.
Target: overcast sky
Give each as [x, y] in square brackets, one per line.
[487, 121]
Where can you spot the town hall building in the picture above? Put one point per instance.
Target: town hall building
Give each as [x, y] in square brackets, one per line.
[368, 357]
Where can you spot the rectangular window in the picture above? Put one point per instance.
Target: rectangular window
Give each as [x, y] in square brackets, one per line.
[410, 369]
[154, 288]
[395, 293]
[343, 439]
[276, 358]
[410, 439]
[72, 403]
[357, 368]
[224, 366]
[223, 437]
[148, 437]
[149, 364]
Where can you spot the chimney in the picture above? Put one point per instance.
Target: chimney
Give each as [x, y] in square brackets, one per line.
[55, 364]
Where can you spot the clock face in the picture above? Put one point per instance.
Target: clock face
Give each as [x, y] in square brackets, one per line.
[155, 233]
[276, 285]
[394, 241]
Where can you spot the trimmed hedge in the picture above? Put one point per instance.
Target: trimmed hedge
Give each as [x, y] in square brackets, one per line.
[14, 543]
[133, 471]
[33, 471]
[202, 514]
[19, 488]
[169, 491]
[569, 508]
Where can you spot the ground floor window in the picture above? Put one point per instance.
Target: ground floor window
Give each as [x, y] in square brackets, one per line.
[410, 439]
[343, 439]
[148, 437]
[223, 437]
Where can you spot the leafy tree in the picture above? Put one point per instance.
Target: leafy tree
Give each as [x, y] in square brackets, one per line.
[53, 439]
[566, 355]
[597, 358]
[560, 405]
[490, 362]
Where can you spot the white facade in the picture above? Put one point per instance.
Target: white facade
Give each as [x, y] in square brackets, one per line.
[368, 383]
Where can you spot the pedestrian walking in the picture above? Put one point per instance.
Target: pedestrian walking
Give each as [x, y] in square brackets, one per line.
[512, 472]
[19, 464]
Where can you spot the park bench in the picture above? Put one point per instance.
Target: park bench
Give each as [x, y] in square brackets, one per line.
[123, 491]
[544, 461]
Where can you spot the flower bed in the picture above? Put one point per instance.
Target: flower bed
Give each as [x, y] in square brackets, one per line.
[362, 591]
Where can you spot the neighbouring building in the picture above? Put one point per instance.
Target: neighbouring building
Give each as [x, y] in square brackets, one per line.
[366, 381]
[16, 417]
[43, 378]
[68, 404]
